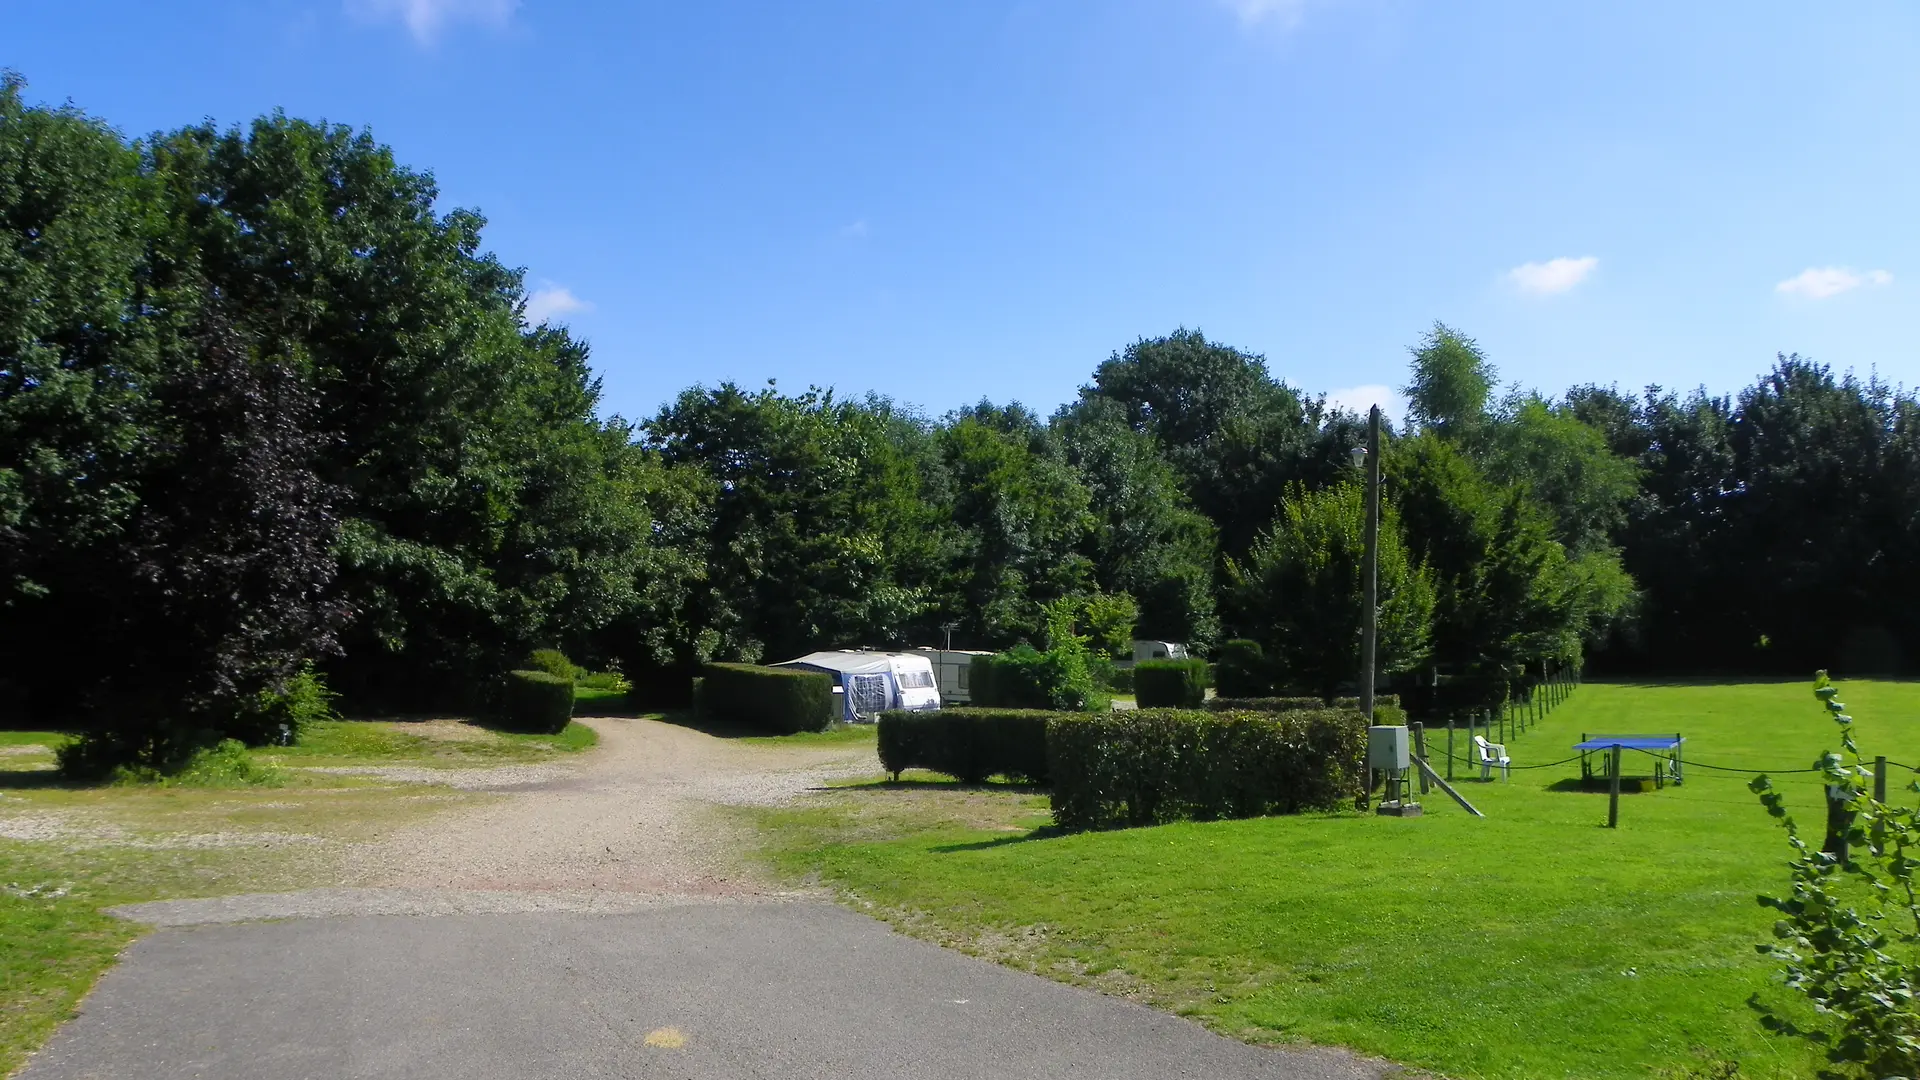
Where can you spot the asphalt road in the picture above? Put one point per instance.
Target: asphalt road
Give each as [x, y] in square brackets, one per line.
[791, 991]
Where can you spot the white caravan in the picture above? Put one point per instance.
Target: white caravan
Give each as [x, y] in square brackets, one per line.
[953, 670]
[869, 683]
[1155, 650]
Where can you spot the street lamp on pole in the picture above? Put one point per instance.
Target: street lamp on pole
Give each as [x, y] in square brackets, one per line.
[1368, 457]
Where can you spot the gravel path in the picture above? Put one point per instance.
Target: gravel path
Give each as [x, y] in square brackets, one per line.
[630, 826]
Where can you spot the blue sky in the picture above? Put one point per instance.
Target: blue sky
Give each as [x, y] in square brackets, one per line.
[985, 198]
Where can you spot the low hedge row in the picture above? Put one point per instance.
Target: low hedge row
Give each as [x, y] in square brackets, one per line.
[538, 702]
[1153, 766]
[1264, 704]
[1170, 684]
[1390, 700]
[778, 699]
[970, 744]
[1385, 706]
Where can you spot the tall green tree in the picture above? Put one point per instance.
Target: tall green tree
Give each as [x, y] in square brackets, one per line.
[1022, 518]
[1569, 469]
[483, 512]
[1148, 541]
[1236, 436]
[1507, 594]
[813, 503]
[1451, 389]
[1299, 592]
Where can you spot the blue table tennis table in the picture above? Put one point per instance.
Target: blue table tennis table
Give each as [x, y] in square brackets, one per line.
[1665, 748]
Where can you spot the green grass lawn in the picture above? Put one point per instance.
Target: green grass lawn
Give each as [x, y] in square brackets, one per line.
[360, 742]
[836, 735]
[1532, 943]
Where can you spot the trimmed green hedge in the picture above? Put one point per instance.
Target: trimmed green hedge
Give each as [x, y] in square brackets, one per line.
[1170, 684]
[1264, 704]
[1386, 707]
[1159, 765]
[537, 701]
[968, 744]
[1240, 670]
[1389, 700]
[778, 699]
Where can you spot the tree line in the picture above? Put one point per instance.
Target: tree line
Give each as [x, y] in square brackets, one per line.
[264, 406]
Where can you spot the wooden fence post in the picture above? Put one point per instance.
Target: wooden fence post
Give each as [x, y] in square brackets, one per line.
[1420, 747]
[1880, 797]
[1838, 822]
[1449, 747]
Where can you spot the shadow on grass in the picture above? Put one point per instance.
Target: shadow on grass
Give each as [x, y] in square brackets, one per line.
[918, 784]
[1629, 785]
[687, 718]
[1045, 832]
[43, 780]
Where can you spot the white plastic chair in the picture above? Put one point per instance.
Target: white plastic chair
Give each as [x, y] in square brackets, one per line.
[1492, 756]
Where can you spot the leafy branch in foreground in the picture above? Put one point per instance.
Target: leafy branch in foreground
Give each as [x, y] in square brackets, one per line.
[1849, 933]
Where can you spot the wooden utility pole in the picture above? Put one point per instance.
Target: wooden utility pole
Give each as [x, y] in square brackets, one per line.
[1370, 570]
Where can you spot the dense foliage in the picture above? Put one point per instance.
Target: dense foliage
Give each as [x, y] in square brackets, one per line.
[264, 405]
[1848, 937]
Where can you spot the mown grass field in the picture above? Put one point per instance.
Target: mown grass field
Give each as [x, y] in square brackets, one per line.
[1532, 943]
[67, 853]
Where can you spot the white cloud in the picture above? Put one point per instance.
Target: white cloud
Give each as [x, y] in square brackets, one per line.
[551, 301]
[1358, 399]
[1286, 13]
[855, 231]
[426, 18]
[1820, 282]
[1553, 276]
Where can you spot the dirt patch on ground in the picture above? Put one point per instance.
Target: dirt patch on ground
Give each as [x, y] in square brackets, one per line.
[638, 821]
[445, 730]
[635, 816]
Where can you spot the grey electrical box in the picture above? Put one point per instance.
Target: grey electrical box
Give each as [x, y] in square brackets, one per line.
[1387, 748]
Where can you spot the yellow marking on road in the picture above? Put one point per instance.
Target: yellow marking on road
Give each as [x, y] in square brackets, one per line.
[666, 1039]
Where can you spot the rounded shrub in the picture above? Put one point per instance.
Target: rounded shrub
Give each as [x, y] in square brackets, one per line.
[538, 702]
[554, 662]
[1170, 684]
[1240, 670]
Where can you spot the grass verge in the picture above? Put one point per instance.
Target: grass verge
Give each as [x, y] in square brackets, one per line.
[1534, 942]
[446, 743]
[836, 735]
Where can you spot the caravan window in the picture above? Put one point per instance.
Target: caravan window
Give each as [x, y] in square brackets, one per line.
[965, 671]
[916, 680]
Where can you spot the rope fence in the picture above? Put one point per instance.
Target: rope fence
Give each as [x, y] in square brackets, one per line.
[1685, 761]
